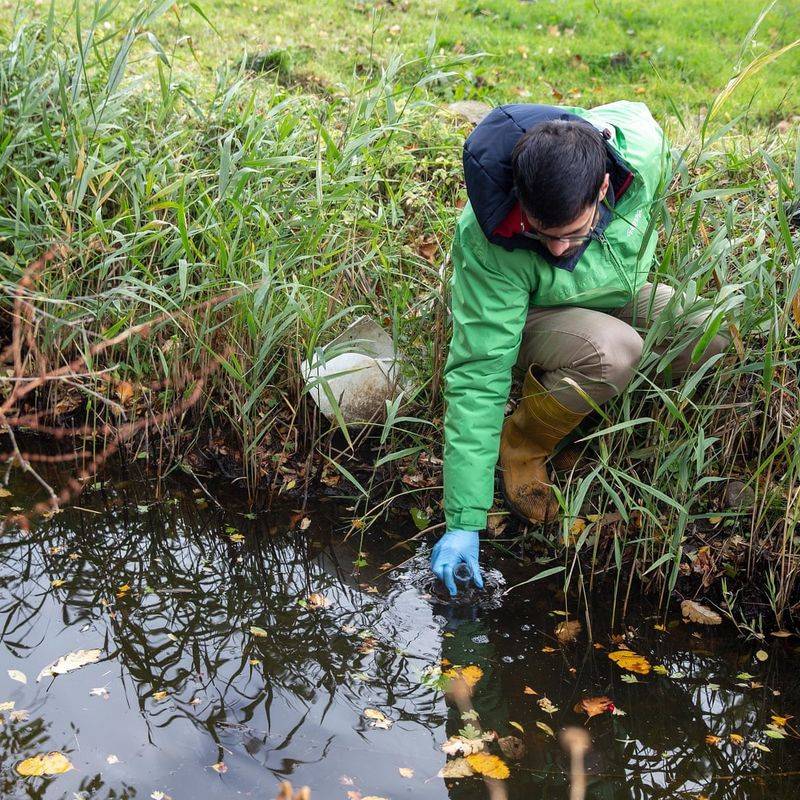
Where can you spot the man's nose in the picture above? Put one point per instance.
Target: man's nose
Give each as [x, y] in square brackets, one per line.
[557, 247]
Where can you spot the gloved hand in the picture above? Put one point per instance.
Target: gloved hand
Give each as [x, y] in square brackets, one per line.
[453, 548]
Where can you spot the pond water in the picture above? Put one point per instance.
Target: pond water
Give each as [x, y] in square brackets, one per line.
[169, 590]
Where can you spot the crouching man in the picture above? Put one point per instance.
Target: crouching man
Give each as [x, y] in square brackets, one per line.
[551, 258]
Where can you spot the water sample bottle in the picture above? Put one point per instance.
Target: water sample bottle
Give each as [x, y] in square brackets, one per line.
[463, 575]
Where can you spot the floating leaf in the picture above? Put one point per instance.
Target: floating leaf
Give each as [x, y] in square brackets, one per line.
[258, 632]
[759, 746]
[465, 745]
[8, 705]
[547, 705]
[593, 706]
[546, 728]
[406, 772]
[736, 738]
[69, 662]
[488, 765]
[317, 600]
[456, 768]
[470, 674]
[660, 669]
[628, 678]
[528, 690]
[548, 649]
[100, 691]
[57, 583]
[378, 718]
[567, 632]
[512, 747]
[159, 696]
[700, 614]
[16, 675]
[712, 739]
[220, 767]
[762, 655]
[112, 759]
[237, 537]
[630, 661]
[780, 721]
[517, 726]
[53, 763]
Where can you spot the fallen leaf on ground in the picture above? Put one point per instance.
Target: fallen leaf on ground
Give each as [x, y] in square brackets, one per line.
[488, 765]
[567, 632]
[700, 614]
[45, 764]
[628, 660]
[16, 675]
[406, 772]
[512, 747]
[69, 662]
[456, 768]
[594, 706]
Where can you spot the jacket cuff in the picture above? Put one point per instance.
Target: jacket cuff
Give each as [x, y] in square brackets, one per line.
[468, 519]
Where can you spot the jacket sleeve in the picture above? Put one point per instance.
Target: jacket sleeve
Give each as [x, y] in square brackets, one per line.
[489, 307]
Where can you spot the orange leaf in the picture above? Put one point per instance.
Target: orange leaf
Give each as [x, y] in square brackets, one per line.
[630, 661]
[594, 706]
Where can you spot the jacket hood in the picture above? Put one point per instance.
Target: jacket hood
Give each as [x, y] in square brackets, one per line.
[489, 179]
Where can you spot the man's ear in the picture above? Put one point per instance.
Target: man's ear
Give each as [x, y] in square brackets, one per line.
[604, 186]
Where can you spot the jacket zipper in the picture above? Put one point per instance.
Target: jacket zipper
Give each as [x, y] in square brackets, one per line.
[617, 266]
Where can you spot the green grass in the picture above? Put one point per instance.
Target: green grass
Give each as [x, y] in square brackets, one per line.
[249, 218]
[584, 51]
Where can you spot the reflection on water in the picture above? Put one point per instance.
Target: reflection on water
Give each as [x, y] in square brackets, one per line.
[169, 592]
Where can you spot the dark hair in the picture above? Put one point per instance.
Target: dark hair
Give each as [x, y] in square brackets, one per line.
[558, 168]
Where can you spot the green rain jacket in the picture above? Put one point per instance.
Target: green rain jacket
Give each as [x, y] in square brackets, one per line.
[499, 273]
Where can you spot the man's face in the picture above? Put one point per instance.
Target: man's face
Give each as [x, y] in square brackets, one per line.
[580, 226]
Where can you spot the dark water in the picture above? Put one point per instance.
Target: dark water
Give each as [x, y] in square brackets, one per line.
[188, 685]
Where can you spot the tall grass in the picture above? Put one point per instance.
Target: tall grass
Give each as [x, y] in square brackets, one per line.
[250, 223]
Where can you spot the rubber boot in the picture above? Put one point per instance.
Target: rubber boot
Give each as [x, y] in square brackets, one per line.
[529, 436]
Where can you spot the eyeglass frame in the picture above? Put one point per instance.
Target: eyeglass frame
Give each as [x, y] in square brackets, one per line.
[544, 238]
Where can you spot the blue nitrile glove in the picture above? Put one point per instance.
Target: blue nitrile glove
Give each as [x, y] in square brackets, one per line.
[453, 548]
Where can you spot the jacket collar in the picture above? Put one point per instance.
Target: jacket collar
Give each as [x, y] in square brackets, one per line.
[490, 184]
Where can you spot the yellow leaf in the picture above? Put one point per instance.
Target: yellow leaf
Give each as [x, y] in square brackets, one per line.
[711, 739]
[762, 655]
[547, 705]
[159, 696]
[123, 590]
[548, 649]
[736, 738]
[57, 582]
[488, 765]
[406, 772]
[630, 661]
[517, 726]
[470, 675]
[45, 764]
[237, 537]
[528, 690]
[546, 728]
[780, 721]
[220, 767]
[4, 492]
[258, 632]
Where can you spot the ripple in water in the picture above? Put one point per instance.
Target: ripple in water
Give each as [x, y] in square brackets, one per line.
[417, 574]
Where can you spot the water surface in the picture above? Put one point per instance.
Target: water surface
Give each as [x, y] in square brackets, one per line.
[168, 590]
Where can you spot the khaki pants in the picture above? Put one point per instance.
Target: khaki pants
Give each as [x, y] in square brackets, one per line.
[600, 350]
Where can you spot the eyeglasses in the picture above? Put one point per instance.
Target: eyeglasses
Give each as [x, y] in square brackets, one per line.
[544, 238]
